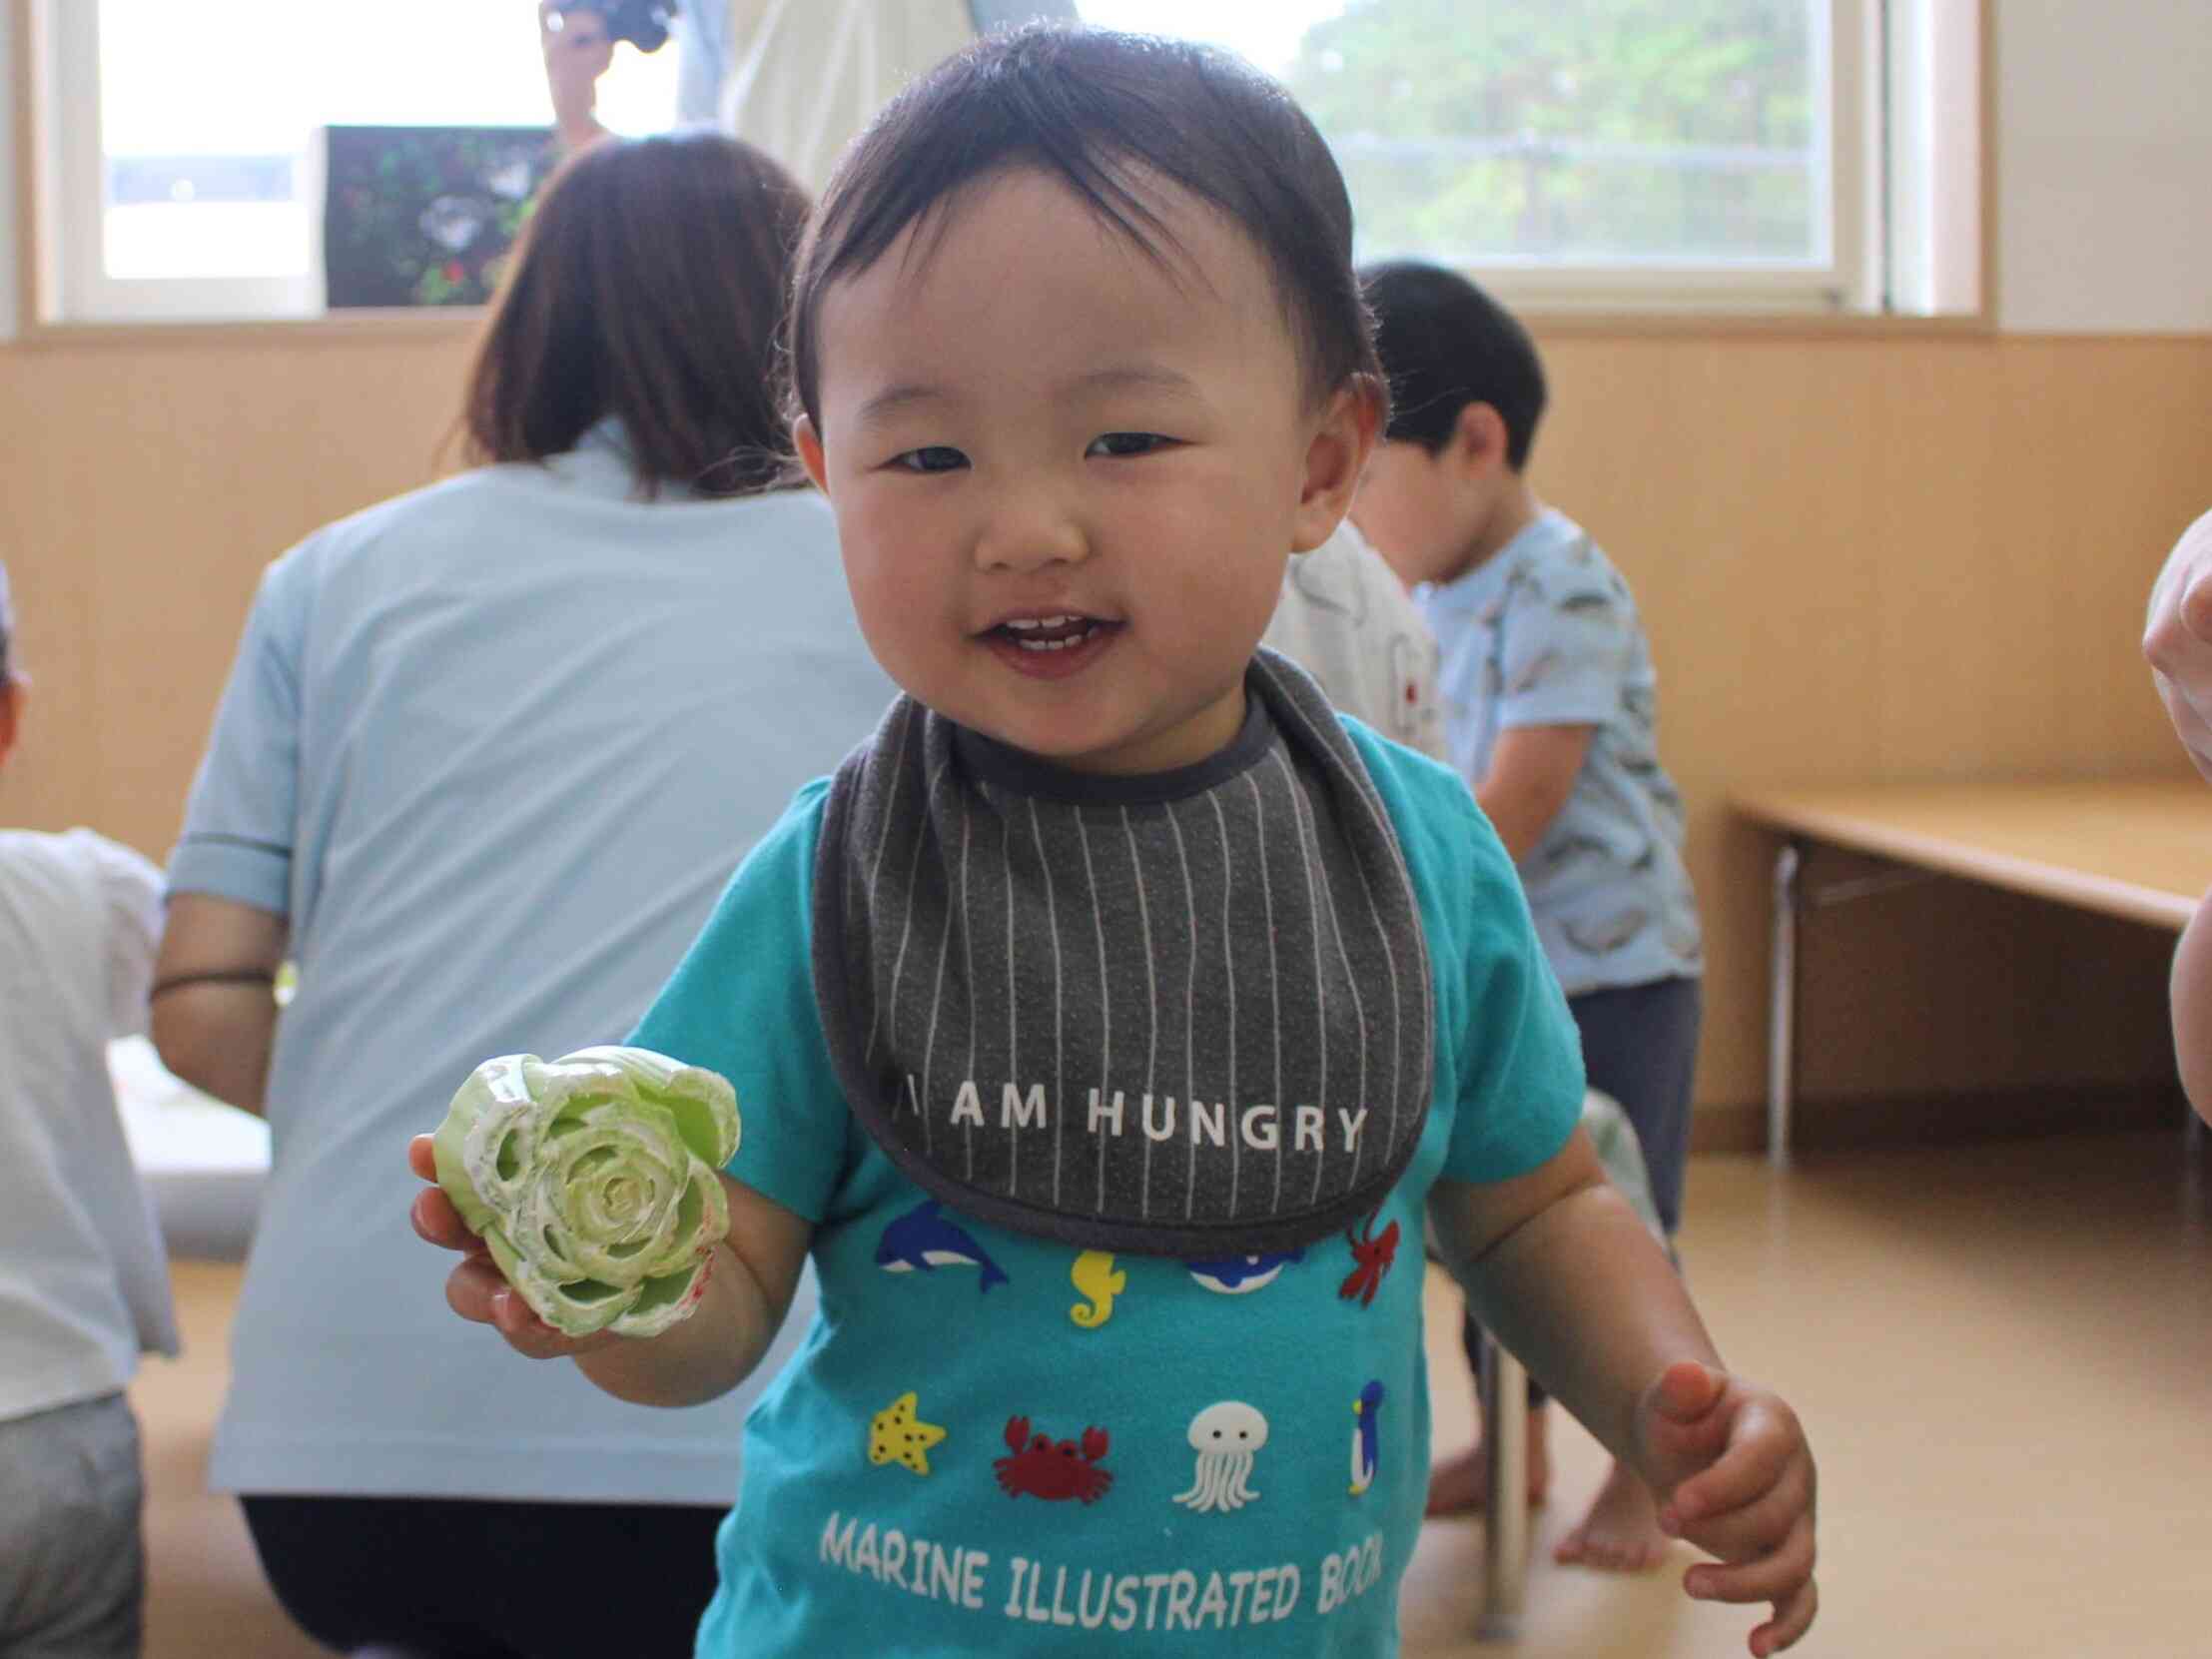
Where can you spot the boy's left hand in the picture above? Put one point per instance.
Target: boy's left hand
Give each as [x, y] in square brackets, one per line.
[1735, 1476]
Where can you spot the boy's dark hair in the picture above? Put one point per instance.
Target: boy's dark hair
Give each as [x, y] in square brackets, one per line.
[1446, 343]
[649, 285]
[1100, 111]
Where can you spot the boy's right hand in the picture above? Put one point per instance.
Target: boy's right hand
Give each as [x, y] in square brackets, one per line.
[476, 1290]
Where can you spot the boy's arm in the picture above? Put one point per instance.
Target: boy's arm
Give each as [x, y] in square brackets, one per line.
[214, 996]
[1561, 1268]
[1532, 772]
[749, 1287]
[1567, 1275]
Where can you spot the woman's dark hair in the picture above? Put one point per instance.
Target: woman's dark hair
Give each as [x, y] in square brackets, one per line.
[649, 285]
[1445, 344]
[1104, 114]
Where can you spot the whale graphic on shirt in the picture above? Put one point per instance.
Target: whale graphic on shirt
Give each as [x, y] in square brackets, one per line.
[1239, 1275]
[924, 1238]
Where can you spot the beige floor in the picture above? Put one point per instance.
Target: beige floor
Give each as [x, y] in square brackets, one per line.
[2004, 1355]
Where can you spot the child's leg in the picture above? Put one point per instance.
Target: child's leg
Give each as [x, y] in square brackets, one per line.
[1459, 1484]
[1639, 1045]
[72, 1563]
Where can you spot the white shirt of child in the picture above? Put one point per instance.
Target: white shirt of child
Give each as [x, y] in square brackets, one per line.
[1346, 620]
[84, 1282]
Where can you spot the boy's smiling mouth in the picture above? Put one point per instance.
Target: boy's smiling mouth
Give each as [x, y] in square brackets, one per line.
[1049, 643]
[1058, 631]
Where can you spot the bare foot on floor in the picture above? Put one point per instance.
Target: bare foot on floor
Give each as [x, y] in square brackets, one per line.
[1620, 1532]
[1460, 1485]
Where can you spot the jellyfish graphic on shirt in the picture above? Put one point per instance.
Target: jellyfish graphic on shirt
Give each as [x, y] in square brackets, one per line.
[1226, 1436]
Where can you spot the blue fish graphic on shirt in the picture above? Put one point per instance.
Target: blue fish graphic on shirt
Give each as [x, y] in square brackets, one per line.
[924, 1238]
[1240, 1276]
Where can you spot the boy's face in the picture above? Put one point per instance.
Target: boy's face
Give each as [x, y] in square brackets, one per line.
[1430, 516]
[1408, 508]
[1068, 476]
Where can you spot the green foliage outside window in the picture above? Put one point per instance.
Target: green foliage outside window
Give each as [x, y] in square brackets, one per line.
[1574, 130]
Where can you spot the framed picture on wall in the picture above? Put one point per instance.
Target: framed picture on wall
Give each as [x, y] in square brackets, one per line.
[426, 216]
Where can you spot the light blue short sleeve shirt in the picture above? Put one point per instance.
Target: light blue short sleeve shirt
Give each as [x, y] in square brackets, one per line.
[1546, 633]
[491, 750]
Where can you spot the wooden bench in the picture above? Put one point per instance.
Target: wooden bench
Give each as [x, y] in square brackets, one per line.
[2135, 848]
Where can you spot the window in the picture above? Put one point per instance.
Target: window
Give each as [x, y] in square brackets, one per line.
[181, 149]
[1693, 151]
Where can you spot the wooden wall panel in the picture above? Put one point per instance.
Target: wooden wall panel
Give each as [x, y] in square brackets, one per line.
[1859, 558]
[1898, 559]
[141, 492]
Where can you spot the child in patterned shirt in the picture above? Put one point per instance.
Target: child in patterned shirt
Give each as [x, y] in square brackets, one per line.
[1550, 710]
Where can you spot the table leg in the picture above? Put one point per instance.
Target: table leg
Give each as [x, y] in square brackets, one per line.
[1504, 1522]
[1781, 1004]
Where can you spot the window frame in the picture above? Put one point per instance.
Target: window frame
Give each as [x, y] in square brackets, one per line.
[64, 49]
[1844, 284]
[1854, 294]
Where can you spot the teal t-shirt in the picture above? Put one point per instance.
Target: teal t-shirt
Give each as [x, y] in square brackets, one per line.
[994, 1442]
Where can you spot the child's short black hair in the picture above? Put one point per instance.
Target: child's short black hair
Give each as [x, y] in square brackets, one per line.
[1446, 343]
[7, 624]
[1099, 112]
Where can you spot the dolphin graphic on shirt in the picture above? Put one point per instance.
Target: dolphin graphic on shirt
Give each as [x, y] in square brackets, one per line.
[924, 1238]
[1239, 1275]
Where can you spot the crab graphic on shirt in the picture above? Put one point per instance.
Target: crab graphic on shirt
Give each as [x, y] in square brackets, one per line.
[1054, 1471]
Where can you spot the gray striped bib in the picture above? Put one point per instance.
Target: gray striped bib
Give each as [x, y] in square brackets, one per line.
[1182, 1014]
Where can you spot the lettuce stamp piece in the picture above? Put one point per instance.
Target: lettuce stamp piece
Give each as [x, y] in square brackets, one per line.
[592, 1178]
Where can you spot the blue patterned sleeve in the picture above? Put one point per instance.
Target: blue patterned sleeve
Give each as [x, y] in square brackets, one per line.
[742, 1003]
[1569, 643]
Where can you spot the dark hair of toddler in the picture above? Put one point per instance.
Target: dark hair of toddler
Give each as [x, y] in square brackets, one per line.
[1110, 116]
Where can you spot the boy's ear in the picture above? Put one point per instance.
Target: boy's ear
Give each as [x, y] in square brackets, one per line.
[1479, 440]
[809, 445]
[1334, 459]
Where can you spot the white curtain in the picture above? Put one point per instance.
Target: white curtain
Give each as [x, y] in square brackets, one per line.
[806, 75]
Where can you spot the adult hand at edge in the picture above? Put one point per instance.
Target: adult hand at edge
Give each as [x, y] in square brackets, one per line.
[2177, 641]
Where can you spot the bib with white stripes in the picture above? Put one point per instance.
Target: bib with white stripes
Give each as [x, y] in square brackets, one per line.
[1184, 1015]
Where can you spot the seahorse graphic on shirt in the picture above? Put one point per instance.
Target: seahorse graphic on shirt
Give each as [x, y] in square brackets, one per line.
[1094, 1276]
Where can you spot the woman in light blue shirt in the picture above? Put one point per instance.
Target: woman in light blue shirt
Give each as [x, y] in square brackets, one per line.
[487, 754]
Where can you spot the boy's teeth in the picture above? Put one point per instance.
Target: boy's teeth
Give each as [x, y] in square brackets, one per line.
[1058, 644]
